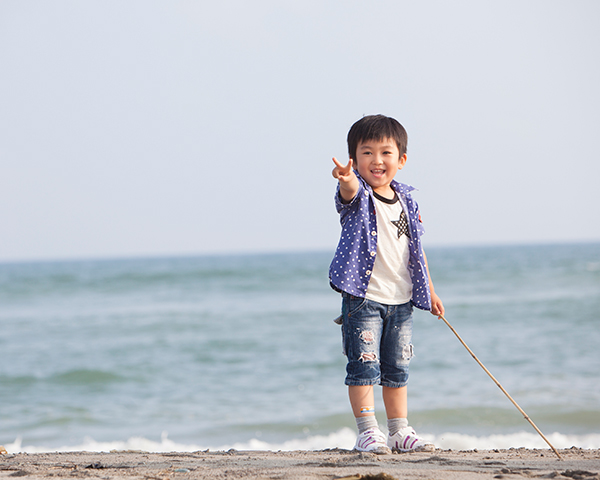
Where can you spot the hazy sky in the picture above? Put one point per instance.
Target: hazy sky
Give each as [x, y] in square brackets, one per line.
[184, 127]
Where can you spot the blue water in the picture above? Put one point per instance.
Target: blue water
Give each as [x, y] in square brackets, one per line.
[214, 352]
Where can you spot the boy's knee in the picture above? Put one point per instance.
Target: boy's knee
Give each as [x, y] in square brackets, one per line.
[407, 352]
[368, 357]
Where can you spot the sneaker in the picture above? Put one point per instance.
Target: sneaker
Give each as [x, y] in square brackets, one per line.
[406, 440]
[373, 441]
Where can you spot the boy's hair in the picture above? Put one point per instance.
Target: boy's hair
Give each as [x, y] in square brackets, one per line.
[376, 127]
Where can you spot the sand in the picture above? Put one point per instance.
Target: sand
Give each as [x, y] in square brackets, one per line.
[326, 464]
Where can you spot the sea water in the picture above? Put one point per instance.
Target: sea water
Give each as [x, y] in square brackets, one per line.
[240, 351]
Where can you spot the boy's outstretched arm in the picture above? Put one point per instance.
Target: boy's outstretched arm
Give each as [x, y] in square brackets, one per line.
[437, 307]
[347, 179]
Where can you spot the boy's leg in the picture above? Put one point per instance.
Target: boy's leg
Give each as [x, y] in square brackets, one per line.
[396, 408]
[401, 437]
[395, 401]
[362, 400]
[370, 438]
[363, 407]
[361, 330]
[361, 327]
[396, 353]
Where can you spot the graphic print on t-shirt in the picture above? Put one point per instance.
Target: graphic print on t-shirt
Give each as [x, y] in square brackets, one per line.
[402, 225]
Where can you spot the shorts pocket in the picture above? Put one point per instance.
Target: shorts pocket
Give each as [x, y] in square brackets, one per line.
[353, 305]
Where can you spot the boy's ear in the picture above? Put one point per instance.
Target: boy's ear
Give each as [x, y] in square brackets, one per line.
[402, 161]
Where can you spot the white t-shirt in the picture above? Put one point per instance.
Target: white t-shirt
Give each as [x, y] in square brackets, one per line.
[390, 282]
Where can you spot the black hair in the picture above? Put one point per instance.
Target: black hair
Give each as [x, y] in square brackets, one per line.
[376, 127]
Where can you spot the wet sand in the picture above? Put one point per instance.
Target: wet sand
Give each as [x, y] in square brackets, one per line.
[326, 464]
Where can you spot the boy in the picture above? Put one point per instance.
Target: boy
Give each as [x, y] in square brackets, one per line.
[381, 271]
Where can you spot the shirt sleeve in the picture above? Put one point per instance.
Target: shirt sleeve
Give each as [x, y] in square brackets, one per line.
[341, 206]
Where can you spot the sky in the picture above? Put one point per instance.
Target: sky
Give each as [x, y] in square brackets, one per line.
[151, 128]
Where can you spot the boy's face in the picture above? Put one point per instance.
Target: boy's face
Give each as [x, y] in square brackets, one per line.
[377, 162]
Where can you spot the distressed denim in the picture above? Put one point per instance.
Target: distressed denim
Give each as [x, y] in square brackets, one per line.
[377, 341]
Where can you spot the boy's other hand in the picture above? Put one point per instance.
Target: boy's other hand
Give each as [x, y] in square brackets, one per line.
[343, 173]
[437, 307]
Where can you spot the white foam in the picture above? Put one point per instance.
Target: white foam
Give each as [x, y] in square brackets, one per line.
[343, 438]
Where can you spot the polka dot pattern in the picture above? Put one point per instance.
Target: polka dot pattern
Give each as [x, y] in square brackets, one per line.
[350, 270]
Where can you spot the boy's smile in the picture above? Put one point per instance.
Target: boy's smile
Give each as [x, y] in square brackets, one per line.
[377, 162]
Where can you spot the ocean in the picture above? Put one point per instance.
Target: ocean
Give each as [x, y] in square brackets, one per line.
[240, 351]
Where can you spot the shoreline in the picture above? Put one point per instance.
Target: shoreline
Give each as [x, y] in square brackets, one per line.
[332, 464]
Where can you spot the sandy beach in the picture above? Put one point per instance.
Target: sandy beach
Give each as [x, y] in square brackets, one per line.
[326, 464]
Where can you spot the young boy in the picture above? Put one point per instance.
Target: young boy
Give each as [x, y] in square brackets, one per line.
[381, 271]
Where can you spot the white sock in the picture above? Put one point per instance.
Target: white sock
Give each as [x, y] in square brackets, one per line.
[365, 423]
[395, 424]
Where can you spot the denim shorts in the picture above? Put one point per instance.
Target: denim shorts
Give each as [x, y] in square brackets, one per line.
[377, 341]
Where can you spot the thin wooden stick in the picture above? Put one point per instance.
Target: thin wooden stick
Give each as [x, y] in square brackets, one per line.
[501, 387]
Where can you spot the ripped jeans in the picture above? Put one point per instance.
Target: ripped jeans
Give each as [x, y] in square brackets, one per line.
[377, 341]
